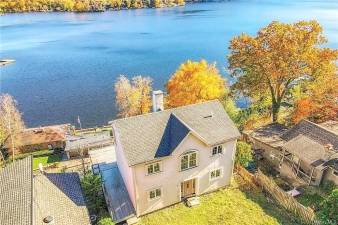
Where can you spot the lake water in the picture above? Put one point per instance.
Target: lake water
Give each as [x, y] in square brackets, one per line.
[66, 63]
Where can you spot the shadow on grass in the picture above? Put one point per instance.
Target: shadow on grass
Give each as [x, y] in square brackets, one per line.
[269, 206]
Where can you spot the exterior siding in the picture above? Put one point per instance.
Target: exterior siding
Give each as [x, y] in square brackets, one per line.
[329, 176]
[125, 170]
[169, 180]
[273, 155]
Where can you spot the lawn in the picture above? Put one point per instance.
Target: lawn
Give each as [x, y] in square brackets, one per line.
[231, 206]
[45, 159]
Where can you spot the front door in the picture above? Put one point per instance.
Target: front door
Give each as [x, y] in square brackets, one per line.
[188, 188]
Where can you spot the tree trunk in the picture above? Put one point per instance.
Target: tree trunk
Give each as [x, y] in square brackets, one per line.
[275, 111]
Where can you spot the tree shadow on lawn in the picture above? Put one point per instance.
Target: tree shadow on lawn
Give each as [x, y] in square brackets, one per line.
[269, 206]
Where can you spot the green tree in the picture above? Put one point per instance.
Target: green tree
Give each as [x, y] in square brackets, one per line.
[243, 153]
[328, 213]
[281, 54]
[92, 188]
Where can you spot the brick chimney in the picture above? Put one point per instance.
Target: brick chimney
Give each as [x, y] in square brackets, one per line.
[158, 101]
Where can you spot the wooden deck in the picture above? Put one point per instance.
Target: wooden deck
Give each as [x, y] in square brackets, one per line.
[117, 197]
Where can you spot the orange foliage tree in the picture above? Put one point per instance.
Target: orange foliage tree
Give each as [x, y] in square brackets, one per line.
[280, 55]
[195, 82]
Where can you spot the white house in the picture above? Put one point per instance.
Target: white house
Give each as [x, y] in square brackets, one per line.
[169, 155]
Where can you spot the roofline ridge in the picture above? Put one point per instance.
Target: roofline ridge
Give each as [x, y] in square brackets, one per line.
[320, 126]
[166, 110]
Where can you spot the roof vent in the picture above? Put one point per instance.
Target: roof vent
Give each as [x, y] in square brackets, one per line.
[208, 116]
[48, 220]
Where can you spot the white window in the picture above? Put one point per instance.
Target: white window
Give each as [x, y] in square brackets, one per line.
[215, 174]
[217, 150]
[154, 194]
[188, 160]
[153, 168]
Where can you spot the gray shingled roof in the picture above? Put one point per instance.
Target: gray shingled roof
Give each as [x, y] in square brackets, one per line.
[59, 195]
[312, 131]
[16, 193]
[147, 137]
[269, 134]
[306, 149]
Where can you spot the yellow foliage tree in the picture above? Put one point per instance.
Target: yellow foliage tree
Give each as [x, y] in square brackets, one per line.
[195, 82]
[133, 97]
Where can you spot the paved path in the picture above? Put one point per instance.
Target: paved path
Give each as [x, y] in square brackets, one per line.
[116, 194]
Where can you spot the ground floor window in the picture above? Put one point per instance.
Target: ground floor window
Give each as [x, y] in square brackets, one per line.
[215, 174]
[156, 193]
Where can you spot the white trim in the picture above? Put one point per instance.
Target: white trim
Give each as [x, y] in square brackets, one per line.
[154, 189]
[217, 153]
[216, 178]
[153, 163]
[188, 152]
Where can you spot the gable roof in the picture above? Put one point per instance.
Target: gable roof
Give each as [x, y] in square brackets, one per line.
[16, 193]
[59, 195]
[307, 149]
[27, 200]
[313, 131]
[150, 136]
[40, 135]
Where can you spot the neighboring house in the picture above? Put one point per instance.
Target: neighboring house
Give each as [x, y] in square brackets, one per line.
[39, 138]
[27, 199]
[81, 144]
[167, 156]
[310, 150]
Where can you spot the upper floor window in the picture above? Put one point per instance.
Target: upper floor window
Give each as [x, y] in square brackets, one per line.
[154, 194]
[153, 168]
[215, 174]
[217, 150]
[188, 160]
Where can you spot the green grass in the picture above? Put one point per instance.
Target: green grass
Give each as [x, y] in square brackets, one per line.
[34, 154]
[312, 200]
[229, 206]
[45, 160]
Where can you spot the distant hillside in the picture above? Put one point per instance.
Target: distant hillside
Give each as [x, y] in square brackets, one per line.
[11, 6]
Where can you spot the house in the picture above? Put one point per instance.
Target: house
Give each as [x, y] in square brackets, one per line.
[167, 156]
[308, 150]
[27, 199]
[40, 138]
[85, 142]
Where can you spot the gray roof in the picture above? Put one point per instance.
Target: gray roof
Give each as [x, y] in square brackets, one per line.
[59, 195]
[269, 134]
[313, 131]
[307, 149]
[75, 142]
[25, 200]
[16, 193]
[150, 136]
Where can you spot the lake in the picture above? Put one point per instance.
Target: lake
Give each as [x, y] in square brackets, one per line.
[66, 63]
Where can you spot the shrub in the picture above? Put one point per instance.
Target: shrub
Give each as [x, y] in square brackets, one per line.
[243, 153]
[328, 213]
[92, 189]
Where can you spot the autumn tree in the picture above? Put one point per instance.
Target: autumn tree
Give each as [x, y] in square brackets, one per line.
[195, 82]
[271, 62]
[318, 100]
[11, 122]
[133, 97]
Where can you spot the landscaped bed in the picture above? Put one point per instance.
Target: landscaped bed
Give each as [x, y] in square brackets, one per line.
[230, 206]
